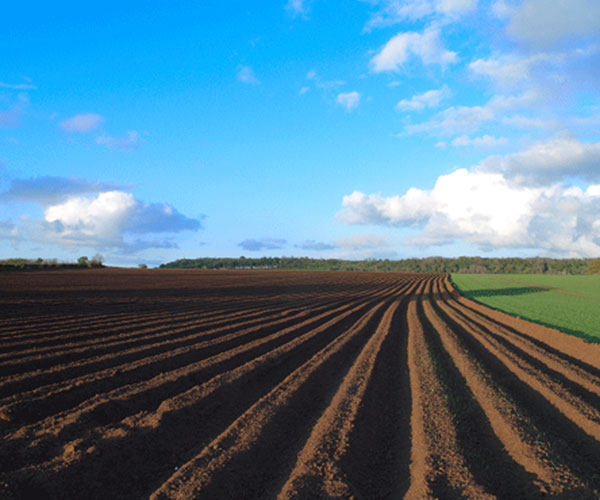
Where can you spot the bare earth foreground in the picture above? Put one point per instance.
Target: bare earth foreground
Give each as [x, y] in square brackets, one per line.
[252, 384]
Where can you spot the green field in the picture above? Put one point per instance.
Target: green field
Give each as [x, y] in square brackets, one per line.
[568, 303]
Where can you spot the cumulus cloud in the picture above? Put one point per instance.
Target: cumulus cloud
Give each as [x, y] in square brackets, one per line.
[429, 99]
[80, 212]
[543, 23]
[129, 141]
[548, 162]
[315, 245]
[363, 241]
[104, 220]
[255, 245]
[246, 74]
[426, 46]
[348, 100]
[520, 200]
[82, 123]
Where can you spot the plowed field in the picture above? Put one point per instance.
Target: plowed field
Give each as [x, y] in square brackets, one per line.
[265, 384]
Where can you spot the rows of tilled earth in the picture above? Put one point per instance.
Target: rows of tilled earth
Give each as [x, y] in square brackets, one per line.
[269, 384]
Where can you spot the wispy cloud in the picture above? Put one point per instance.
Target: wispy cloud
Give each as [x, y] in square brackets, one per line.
[129, 141]
[17, 86]
[246, 74]
[485, 141]
[315, 245]
[82, 123]
[363, 241]
[468, 119]
[17, 105]
[429, 99]
[255, 245]
[348, 100]
[297, 7]
[426, 46]
[391, 12]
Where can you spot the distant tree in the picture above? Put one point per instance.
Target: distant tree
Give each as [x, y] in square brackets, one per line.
[96, 260]
[83, 261]
[593, 266]
[142, 266]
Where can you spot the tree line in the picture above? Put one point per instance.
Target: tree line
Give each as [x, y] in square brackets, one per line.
[20, 263]
[483, 265]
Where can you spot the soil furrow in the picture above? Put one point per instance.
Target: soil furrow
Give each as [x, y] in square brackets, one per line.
[560, 440]
[131, 384]
[73, 391]
[156, 390]
[438, 467]
[511, 458]
[318, 471]
[273, 421]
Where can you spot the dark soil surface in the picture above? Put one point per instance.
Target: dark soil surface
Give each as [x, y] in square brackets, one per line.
[126, 384]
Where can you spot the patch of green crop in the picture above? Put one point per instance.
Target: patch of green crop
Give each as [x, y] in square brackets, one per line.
[568, 303]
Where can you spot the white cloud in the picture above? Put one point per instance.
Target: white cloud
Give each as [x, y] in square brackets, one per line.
[468, 119]
[549, 162]
[515, 201]
[83, 213]
[323, 84]
[539, 69]
[453, 7]
[246, 74]
[363, 241]
[82, 123]
[105, 220]
[487, 210]
[409, 209]
[544, 23]
[503, 69]
[427, 46]
[429, 99]
[348, 100]
[129, 141]
[485, 141]
[304, 90]
[528, 122]
[392, 12]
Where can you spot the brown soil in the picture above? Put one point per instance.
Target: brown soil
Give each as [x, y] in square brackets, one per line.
[160, 384]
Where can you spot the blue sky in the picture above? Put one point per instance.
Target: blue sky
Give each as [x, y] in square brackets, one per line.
[150, 131]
